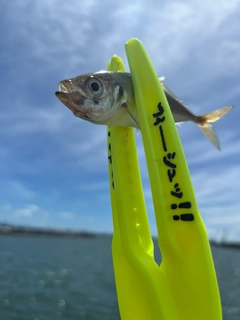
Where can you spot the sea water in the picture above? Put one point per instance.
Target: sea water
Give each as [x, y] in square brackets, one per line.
[48, 278]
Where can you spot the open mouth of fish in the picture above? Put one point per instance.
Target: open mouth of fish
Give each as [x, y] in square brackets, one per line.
[71, 99]
[64, 94]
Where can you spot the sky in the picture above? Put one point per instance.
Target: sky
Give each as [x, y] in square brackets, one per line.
[53, 170]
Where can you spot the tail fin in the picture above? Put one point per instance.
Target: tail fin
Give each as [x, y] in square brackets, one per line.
[216, 115]
[206, 127]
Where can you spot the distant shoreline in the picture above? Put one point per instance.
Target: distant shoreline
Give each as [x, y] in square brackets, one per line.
[6, 229]
[222, 244]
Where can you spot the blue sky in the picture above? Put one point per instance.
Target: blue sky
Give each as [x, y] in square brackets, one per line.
[53, 170]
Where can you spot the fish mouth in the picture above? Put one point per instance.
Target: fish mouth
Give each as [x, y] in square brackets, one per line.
[73, 101]
[64, 93]
[63, 97]
[65, 86]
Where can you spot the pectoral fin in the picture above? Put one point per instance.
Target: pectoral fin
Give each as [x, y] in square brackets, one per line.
[124, 105]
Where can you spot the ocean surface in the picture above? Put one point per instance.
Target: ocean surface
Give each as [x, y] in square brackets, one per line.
[49, 278]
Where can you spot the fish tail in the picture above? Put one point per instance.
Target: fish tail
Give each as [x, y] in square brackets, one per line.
[206, 127]
[216, 115]
[210, 133]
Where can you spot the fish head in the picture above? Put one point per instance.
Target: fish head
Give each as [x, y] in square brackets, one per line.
[95, 97]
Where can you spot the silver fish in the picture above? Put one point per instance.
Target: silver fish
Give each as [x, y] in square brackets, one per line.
[107, 98]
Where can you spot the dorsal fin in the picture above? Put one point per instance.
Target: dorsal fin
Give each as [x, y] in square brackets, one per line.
[165, 88]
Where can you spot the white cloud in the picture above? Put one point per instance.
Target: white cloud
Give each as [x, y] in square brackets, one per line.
[26, 212]
[89, 148]
[217, 187]
[189, 28]
[75, 32]
[28, 119]
[32, 215]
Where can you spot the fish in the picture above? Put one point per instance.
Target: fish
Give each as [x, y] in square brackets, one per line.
[107, 98]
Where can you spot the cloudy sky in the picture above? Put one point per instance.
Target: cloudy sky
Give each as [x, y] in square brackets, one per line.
[53, 170]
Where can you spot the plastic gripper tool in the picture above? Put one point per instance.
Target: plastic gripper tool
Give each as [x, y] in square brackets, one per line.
[184, 285]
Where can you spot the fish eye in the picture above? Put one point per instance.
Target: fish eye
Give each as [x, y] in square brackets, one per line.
[95, 87]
